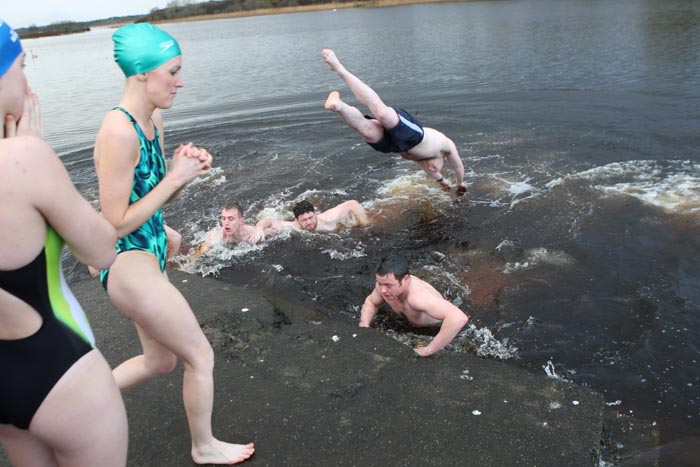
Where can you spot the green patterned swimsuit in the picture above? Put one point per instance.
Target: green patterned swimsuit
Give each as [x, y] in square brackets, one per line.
[148, 173]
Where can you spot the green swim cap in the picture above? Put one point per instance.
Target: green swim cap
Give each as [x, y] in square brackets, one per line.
[142, 47]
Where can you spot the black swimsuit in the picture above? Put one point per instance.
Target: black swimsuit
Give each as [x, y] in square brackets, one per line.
[32, 366]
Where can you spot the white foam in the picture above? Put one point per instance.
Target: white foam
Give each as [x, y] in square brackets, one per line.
[216, 258]
[407, 186]
[518, 188]
[511, 192]
[215, 177]
[550, 370]
[451, 287]
[487, 344]
[538, 256]
[357, 252]
[673, 186]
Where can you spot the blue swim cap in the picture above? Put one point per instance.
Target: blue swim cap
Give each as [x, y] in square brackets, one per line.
[142, 47]
[10, 47]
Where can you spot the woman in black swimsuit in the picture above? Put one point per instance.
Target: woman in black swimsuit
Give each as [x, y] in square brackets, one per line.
[59, 404]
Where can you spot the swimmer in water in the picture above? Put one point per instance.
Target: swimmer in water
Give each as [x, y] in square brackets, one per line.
[134, 186]
[306, 218]
[415, 300]
[232, 230]
[393, 130]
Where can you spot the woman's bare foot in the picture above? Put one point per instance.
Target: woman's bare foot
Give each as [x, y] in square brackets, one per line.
[218, 453]
[332, 61]
[333, 102]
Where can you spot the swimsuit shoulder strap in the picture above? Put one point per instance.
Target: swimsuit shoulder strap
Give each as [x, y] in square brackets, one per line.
[126, 112]
[135, 123]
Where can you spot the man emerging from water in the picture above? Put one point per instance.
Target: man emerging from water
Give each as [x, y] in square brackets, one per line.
[349, 213]
[232, 230]
[394, 130]
[415, 300]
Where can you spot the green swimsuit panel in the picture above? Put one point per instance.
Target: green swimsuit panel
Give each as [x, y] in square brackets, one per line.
[148, 173]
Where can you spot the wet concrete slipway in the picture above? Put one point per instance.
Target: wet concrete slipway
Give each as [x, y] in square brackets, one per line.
[310, 391]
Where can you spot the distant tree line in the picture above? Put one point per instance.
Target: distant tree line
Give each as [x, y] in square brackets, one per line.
[71, 27]
[55, 29]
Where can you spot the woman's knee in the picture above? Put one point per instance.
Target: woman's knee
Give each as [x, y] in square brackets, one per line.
[201, 359]
[161, 365]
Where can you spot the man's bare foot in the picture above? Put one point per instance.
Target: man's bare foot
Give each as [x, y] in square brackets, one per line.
[332, 61]
[218, 453]
[333, 102]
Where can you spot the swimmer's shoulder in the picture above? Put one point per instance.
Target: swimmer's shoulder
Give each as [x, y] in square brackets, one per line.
[26, 152]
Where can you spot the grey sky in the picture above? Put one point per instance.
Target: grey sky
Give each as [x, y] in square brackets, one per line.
[23, 13]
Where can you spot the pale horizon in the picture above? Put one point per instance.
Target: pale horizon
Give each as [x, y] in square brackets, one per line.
[44, 12]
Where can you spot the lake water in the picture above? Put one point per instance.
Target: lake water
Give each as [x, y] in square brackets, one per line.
[575, 250]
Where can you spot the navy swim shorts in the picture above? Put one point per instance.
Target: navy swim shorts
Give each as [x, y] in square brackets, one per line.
[407, 134]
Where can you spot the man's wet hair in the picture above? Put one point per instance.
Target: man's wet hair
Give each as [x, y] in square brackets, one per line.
[302, 207]
[234, 205]
[393, 263]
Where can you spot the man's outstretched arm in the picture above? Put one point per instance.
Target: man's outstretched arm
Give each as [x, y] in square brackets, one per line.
[453, 320]
[270, 226]
[345, 211]
[174, 241]
[370, 308]
[213, 236]
[455, 161]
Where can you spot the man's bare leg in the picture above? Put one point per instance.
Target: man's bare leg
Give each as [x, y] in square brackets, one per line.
[365, 94]
[370, 130]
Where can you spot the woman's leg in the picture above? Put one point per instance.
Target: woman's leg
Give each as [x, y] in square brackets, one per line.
[156, 360]
[83, 420]
[166, 322]
[24, 449]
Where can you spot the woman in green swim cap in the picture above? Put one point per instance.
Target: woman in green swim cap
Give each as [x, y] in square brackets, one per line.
[134, 186]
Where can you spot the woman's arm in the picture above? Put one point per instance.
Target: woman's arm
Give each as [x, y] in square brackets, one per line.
[90, 237]
[116, 154]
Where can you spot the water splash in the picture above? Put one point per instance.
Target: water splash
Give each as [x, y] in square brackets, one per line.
[550, 370]
[673, 186]
[538, 256]
[357, 252]
[214, 178]
[482, 342]
[451, 286]
[218, 257]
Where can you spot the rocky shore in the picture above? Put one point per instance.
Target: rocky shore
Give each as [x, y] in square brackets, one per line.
[313, 392]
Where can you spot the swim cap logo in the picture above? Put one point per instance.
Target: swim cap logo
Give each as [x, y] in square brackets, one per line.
[164, 46]
[14, 37]
[10, 47]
